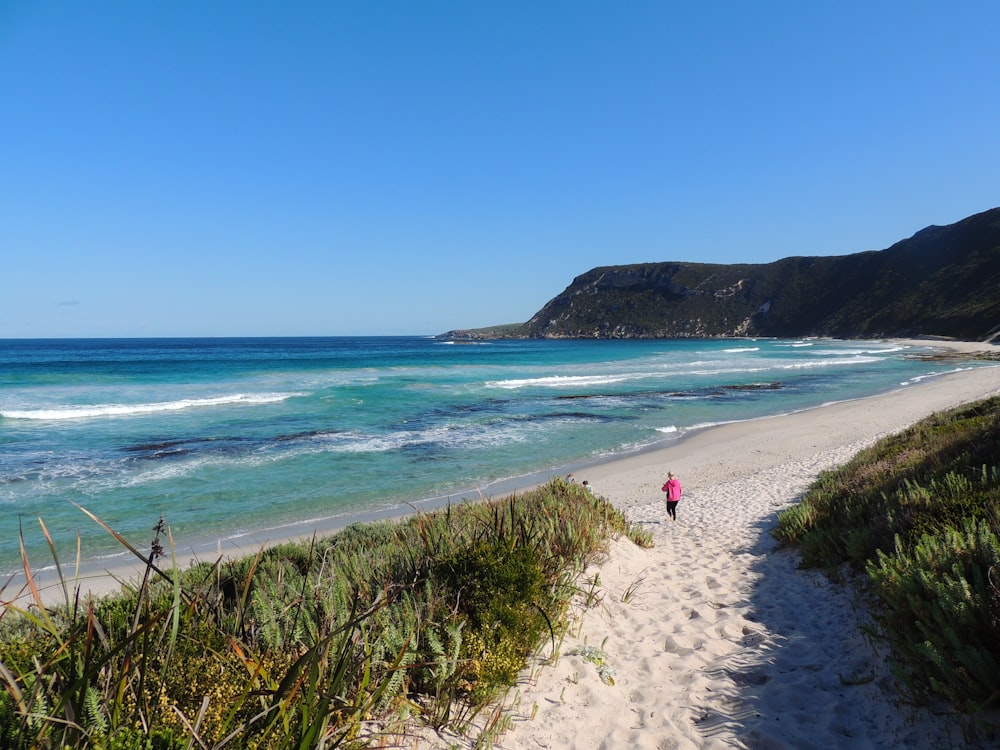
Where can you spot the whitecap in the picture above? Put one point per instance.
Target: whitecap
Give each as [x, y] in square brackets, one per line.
[97, 411]
[858, 360]
[935, 375]
[562, 381]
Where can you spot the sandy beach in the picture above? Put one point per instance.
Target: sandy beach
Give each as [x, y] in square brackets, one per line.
[714, 638]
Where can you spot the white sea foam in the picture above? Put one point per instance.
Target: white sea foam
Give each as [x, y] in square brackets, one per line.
[348, 442]
[698, 368]
[97, 411]
[934, 375]
[802, 365]
[156, 473]
[857, 360]
[355, 441]
[668, 430]
[706, 425]
[856, 352]
[739, 349]
[565, 381]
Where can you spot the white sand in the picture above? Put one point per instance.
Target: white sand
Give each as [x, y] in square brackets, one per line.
[723, 641]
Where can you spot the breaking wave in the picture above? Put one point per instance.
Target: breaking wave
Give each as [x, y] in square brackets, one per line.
[98, 411]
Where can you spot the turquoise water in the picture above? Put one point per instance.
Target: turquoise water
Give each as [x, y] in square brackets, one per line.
[226, 436]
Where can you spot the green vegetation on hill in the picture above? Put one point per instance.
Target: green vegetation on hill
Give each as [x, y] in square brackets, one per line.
[919, 512]
[349, 641]
[940, 282]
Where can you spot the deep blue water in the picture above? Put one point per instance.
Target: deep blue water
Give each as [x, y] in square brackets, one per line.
[224, 436]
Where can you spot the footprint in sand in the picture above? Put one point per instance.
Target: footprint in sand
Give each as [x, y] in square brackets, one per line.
[752, 638]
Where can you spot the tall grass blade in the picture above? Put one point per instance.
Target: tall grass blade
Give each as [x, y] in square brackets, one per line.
[55, 559]
[175, 605]
[29, 581]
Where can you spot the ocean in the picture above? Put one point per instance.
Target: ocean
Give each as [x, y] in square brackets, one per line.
[232, 437]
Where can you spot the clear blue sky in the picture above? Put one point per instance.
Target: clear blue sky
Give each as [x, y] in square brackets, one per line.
[309, 168]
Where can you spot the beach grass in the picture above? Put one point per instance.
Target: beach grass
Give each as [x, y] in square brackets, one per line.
[919, 514]
[356, 639]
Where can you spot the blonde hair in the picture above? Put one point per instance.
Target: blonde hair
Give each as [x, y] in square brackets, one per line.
[670, 475]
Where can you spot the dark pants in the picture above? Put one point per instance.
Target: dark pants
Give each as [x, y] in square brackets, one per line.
[672, 509]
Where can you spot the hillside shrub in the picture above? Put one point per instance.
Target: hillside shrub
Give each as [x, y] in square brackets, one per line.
[940, 613]
[919, 513]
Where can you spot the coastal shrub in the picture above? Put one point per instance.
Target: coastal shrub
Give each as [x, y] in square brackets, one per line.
[940, 612]
[76, 684]
[193, 683]
[918, 513]
[937, 472]
[332, 642]
[502, 592]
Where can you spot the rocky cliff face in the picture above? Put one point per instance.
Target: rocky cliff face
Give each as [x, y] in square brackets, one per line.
[943, 281]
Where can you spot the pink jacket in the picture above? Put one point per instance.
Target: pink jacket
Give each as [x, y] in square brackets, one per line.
[673, 489]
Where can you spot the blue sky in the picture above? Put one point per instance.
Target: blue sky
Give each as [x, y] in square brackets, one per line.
[339, 168]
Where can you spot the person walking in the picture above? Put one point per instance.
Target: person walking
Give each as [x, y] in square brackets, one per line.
[673, 489]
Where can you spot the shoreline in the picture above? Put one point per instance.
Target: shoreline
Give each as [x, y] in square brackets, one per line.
[105, 575]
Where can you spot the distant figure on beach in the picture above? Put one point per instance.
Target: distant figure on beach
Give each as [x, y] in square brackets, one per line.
[673, 489]
[570, 478]
[586, 486]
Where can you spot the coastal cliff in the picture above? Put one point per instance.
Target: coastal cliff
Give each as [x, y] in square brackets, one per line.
[942, 281]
